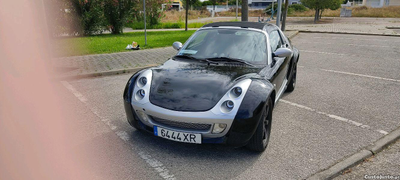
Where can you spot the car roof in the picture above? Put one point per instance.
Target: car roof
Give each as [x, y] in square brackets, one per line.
[255, 25]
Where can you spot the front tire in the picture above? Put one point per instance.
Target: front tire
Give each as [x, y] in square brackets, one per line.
[292, 82]
[260, 139]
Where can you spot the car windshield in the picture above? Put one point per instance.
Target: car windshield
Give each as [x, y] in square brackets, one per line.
[224, 44]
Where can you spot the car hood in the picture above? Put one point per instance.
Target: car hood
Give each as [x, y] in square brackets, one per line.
[194, 86]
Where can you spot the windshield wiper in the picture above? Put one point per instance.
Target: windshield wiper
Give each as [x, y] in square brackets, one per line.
[230, 60]
[186, 56]
[191, 57]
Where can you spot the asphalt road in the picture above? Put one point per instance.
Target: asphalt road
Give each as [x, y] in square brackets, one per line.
[347, 96]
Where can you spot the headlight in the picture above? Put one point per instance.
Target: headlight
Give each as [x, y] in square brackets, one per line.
[227, 106]
[218, 128]
[142, 81]
[140, 94]
[236, 92]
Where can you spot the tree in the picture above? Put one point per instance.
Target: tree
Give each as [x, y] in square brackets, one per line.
[320, 5]
[153, 11]
[89, 14]
[116, 13]
[187, 4]
[233, 2]
[245, 10]
[206, 3]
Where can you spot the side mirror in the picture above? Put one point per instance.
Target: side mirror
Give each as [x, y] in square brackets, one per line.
[282, 52]
[177, 45]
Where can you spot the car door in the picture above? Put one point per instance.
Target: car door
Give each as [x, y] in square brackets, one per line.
[279, 65]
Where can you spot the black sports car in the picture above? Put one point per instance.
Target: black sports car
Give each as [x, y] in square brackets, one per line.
[221, 87]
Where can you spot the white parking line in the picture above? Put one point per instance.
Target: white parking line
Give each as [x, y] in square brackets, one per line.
[351, 122]
[357, 39]
[152, 162]
[320, 52]
[359, 45]
[355, 74]
[74, 91]
[361, 75]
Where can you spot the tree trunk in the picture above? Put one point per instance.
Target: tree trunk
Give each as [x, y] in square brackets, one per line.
[187, 13]
[245, 10]
[316, 15]
[320, 14]
[285, 15]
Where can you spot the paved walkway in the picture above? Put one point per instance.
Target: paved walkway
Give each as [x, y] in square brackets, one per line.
[78, 65]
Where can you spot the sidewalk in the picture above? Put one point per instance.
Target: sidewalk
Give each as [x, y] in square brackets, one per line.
[115, 63]
[102, 64]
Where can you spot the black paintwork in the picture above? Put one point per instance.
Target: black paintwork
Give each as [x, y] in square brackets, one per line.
[182, 84]
[250, 111]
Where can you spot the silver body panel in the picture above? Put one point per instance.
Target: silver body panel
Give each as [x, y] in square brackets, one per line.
[214, 115]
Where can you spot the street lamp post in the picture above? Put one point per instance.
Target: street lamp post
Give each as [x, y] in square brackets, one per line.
[237, 6]
[144, 12]
[278, 15]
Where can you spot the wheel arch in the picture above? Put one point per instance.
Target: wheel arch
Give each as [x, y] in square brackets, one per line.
[293, 61]
[250, 111]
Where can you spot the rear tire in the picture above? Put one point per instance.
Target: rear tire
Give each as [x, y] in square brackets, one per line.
[260, 139]
[292, 82]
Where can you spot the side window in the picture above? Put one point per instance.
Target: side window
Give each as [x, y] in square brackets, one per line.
[275, 40]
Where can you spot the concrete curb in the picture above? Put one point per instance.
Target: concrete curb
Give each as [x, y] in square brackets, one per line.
[293, 35]
[369, 34]
[392, 27]
[379, 145]
[357, 157]
[103, 73]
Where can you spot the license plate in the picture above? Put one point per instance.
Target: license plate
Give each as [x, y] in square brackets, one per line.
[177, 136]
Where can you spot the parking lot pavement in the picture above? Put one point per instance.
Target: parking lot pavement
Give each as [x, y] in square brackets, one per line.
[340, 105]
[95, 145]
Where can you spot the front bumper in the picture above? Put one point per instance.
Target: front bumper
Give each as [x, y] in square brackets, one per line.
[230, 136]
[190, 122]
[175, 123]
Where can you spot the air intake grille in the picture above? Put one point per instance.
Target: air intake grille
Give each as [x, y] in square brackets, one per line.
[181, 125]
